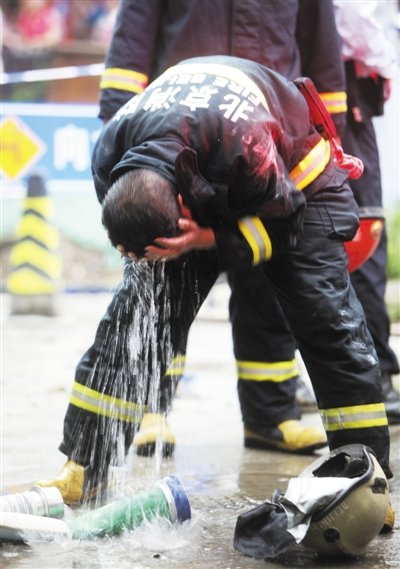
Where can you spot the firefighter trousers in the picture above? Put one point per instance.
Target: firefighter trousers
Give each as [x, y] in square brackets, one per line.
[148, 321]
[264, 350]
[370, 280]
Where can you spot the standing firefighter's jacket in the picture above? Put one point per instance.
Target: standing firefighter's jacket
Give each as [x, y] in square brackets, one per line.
[296, 38]
[236, 140]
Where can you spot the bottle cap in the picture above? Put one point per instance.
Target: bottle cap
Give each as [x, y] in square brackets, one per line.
[177, 498]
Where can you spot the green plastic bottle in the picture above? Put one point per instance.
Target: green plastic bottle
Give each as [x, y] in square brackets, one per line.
[167, 500]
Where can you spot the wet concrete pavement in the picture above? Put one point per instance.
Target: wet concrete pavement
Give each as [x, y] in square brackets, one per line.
[222, 478]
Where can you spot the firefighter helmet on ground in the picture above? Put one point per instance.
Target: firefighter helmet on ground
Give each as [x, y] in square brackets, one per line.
[355, 517]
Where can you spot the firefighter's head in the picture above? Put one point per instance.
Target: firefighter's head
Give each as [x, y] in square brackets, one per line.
[139, 207]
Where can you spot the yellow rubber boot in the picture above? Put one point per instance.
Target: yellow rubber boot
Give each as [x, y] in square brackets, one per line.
[70, 482]
[288, 436]
[388, 524]
[153, 430]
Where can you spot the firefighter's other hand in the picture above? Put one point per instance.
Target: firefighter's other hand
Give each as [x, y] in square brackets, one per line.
[192, 236]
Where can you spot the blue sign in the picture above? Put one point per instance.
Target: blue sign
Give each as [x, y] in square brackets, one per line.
[55, 138]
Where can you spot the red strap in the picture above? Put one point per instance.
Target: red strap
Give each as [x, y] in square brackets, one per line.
[324, 124]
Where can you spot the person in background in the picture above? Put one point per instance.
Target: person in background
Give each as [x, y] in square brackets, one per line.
[103, 25]
[31, 28]
[296, 38]
[370, 67]
[38, 24]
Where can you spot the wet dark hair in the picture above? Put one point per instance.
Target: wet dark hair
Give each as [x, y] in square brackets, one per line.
[140, 206]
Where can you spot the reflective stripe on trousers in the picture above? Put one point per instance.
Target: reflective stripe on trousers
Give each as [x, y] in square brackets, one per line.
[354, 417]
[99, 403]
[267, 371]
[90, 400]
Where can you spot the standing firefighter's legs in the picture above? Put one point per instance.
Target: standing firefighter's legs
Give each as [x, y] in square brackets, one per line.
[267, 369]
[370, 280]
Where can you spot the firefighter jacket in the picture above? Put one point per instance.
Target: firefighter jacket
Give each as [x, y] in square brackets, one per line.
[296, 37]
[236, 141]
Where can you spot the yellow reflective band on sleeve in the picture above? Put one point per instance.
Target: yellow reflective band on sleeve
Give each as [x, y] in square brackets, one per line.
[177, 367]
[335, 102]
[257, 237]
[123, 79]
[311, 166]
[267, 371]
[105, 405]
[354, 417]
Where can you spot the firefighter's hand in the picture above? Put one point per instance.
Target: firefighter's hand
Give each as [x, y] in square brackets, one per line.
[192, 236]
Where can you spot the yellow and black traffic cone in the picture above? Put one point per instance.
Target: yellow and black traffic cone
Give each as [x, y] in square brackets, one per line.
[36, 266]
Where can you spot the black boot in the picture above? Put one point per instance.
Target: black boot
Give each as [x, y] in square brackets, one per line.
[391, 399]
